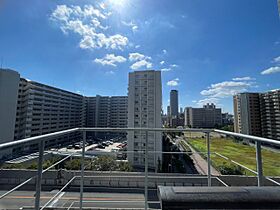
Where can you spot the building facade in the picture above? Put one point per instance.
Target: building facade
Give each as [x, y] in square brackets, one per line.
[247, 117]
[207, 117]
[106, 111]
[174, 104]
[9, 82]
[270, 114]
[30, 109]
[43, 109]
[144, 111]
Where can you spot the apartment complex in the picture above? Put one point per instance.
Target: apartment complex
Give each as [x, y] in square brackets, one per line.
[207, 117]
[30, 109]
[258, 114]
[270, 114]
[106, 111]
[144, 111]
[43, 109]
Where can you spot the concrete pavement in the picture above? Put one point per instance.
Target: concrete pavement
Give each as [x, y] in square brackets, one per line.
[106, 200]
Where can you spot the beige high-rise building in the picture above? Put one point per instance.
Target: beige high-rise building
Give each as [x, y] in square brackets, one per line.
[247, 117]
[144, 111]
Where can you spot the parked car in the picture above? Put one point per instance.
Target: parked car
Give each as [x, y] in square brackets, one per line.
[100, 146]
[69, 146]
[77, 146]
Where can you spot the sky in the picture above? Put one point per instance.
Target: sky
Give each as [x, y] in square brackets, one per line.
[207, 50]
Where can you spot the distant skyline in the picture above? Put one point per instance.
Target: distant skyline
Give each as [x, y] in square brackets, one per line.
[207, 50]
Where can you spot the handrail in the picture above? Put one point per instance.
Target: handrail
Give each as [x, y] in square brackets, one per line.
[36, 138]
[255, 138]
[59, 133]
[41, 139]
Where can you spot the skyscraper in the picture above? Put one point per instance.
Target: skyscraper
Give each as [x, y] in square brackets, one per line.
[174, 103]
[144, 111]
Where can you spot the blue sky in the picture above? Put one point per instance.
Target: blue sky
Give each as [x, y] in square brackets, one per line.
[208, 50]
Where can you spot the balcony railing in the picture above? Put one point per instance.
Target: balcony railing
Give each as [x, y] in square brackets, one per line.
[41, 141]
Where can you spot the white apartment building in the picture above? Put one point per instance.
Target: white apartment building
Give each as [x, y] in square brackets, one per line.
[144, 111]
[106, 111]
[29, 108]
[43, 109]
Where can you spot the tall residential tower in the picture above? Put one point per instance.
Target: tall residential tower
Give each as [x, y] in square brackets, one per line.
[144, 111]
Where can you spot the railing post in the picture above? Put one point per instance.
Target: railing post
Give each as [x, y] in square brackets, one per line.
[259, 163]
[146, 172]
[39, 174]
[208, 159]
[82, 171]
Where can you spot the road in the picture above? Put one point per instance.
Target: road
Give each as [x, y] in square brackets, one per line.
[95, 199]
[200, 163]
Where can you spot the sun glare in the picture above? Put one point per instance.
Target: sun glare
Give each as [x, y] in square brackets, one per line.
[117, 4]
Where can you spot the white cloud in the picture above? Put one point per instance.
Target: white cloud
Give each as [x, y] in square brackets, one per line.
[174, 65]
[141, 64]
[243, 78]
[207, 100]
[133, 26]
[164, 51]
[271, 70]
[174, 82]
[137, 46]
[226, 89]
[276, 60]
[87, 22]
[162, 62]
[136, 56]
[110, 59]
[140, 61]
[170, 68]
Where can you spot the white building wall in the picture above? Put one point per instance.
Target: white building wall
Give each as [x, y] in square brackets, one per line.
[9, 84]
[144, 110]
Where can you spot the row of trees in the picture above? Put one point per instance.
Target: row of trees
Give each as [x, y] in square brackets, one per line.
[100, 163]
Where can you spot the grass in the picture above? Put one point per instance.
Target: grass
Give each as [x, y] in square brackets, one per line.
[243, 154]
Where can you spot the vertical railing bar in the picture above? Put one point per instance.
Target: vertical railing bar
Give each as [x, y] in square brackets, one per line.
[39, 174]
[259, 163]
[146, 172]
[82, 171]
[208, 159]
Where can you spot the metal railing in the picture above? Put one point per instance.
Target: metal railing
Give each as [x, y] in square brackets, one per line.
[41, 141]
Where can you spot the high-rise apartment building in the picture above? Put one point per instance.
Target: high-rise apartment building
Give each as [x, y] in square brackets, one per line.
[43, 109]
[207, 117]
[30, 109]
[174, 103]
[106, 111]
[9, 82]
[258, 114]
[247, 118]
[270, 114]
[144, 111]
